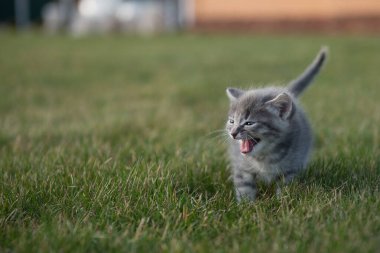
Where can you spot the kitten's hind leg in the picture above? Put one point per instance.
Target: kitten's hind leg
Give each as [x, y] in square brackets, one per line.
[284, 179]
[245, 186]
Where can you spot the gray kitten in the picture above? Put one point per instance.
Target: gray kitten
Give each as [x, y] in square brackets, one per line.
[270, 135]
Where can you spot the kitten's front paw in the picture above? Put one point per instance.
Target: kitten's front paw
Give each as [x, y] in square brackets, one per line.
[245, 194]
[278, 192]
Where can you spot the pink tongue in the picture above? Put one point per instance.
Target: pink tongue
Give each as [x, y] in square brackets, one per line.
[246, 146]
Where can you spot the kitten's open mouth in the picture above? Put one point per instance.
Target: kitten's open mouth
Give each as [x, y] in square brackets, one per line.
[246, 146]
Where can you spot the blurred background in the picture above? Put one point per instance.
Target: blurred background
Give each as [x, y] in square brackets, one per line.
[153, 16]
[178, 56]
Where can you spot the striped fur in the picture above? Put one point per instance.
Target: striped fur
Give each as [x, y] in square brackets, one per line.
[280, 125]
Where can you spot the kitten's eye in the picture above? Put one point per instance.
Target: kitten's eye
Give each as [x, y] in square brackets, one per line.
[231, 121]
[249, 123]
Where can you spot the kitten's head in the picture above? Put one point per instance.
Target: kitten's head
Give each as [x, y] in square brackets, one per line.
[258, 119]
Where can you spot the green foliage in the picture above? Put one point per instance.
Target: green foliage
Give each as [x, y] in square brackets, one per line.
[112, 144]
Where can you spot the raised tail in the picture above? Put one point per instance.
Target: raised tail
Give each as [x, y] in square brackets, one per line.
[302, 82]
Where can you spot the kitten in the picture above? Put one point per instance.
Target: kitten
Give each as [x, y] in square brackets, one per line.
[270, 135]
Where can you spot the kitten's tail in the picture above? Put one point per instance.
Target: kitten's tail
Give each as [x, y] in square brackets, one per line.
[302, 82]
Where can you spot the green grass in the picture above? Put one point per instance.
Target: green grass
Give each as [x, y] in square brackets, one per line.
[107, 144]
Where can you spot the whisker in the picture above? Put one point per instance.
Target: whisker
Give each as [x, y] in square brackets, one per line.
[218, 131]
[221, 137]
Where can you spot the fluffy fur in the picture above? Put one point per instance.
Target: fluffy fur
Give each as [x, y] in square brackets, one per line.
[271, 138]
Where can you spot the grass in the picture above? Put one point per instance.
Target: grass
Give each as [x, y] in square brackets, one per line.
[107, 144]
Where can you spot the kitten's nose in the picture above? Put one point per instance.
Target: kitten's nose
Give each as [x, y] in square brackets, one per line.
[234, 134]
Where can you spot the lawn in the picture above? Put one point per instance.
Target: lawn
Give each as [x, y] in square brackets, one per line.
[112, 145]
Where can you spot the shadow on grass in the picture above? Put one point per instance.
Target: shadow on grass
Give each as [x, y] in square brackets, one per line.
[346, 172]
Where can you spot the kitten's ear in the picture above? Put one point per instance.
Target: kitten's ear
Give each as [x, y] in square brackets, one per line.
[282, 105]
[234, 93]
